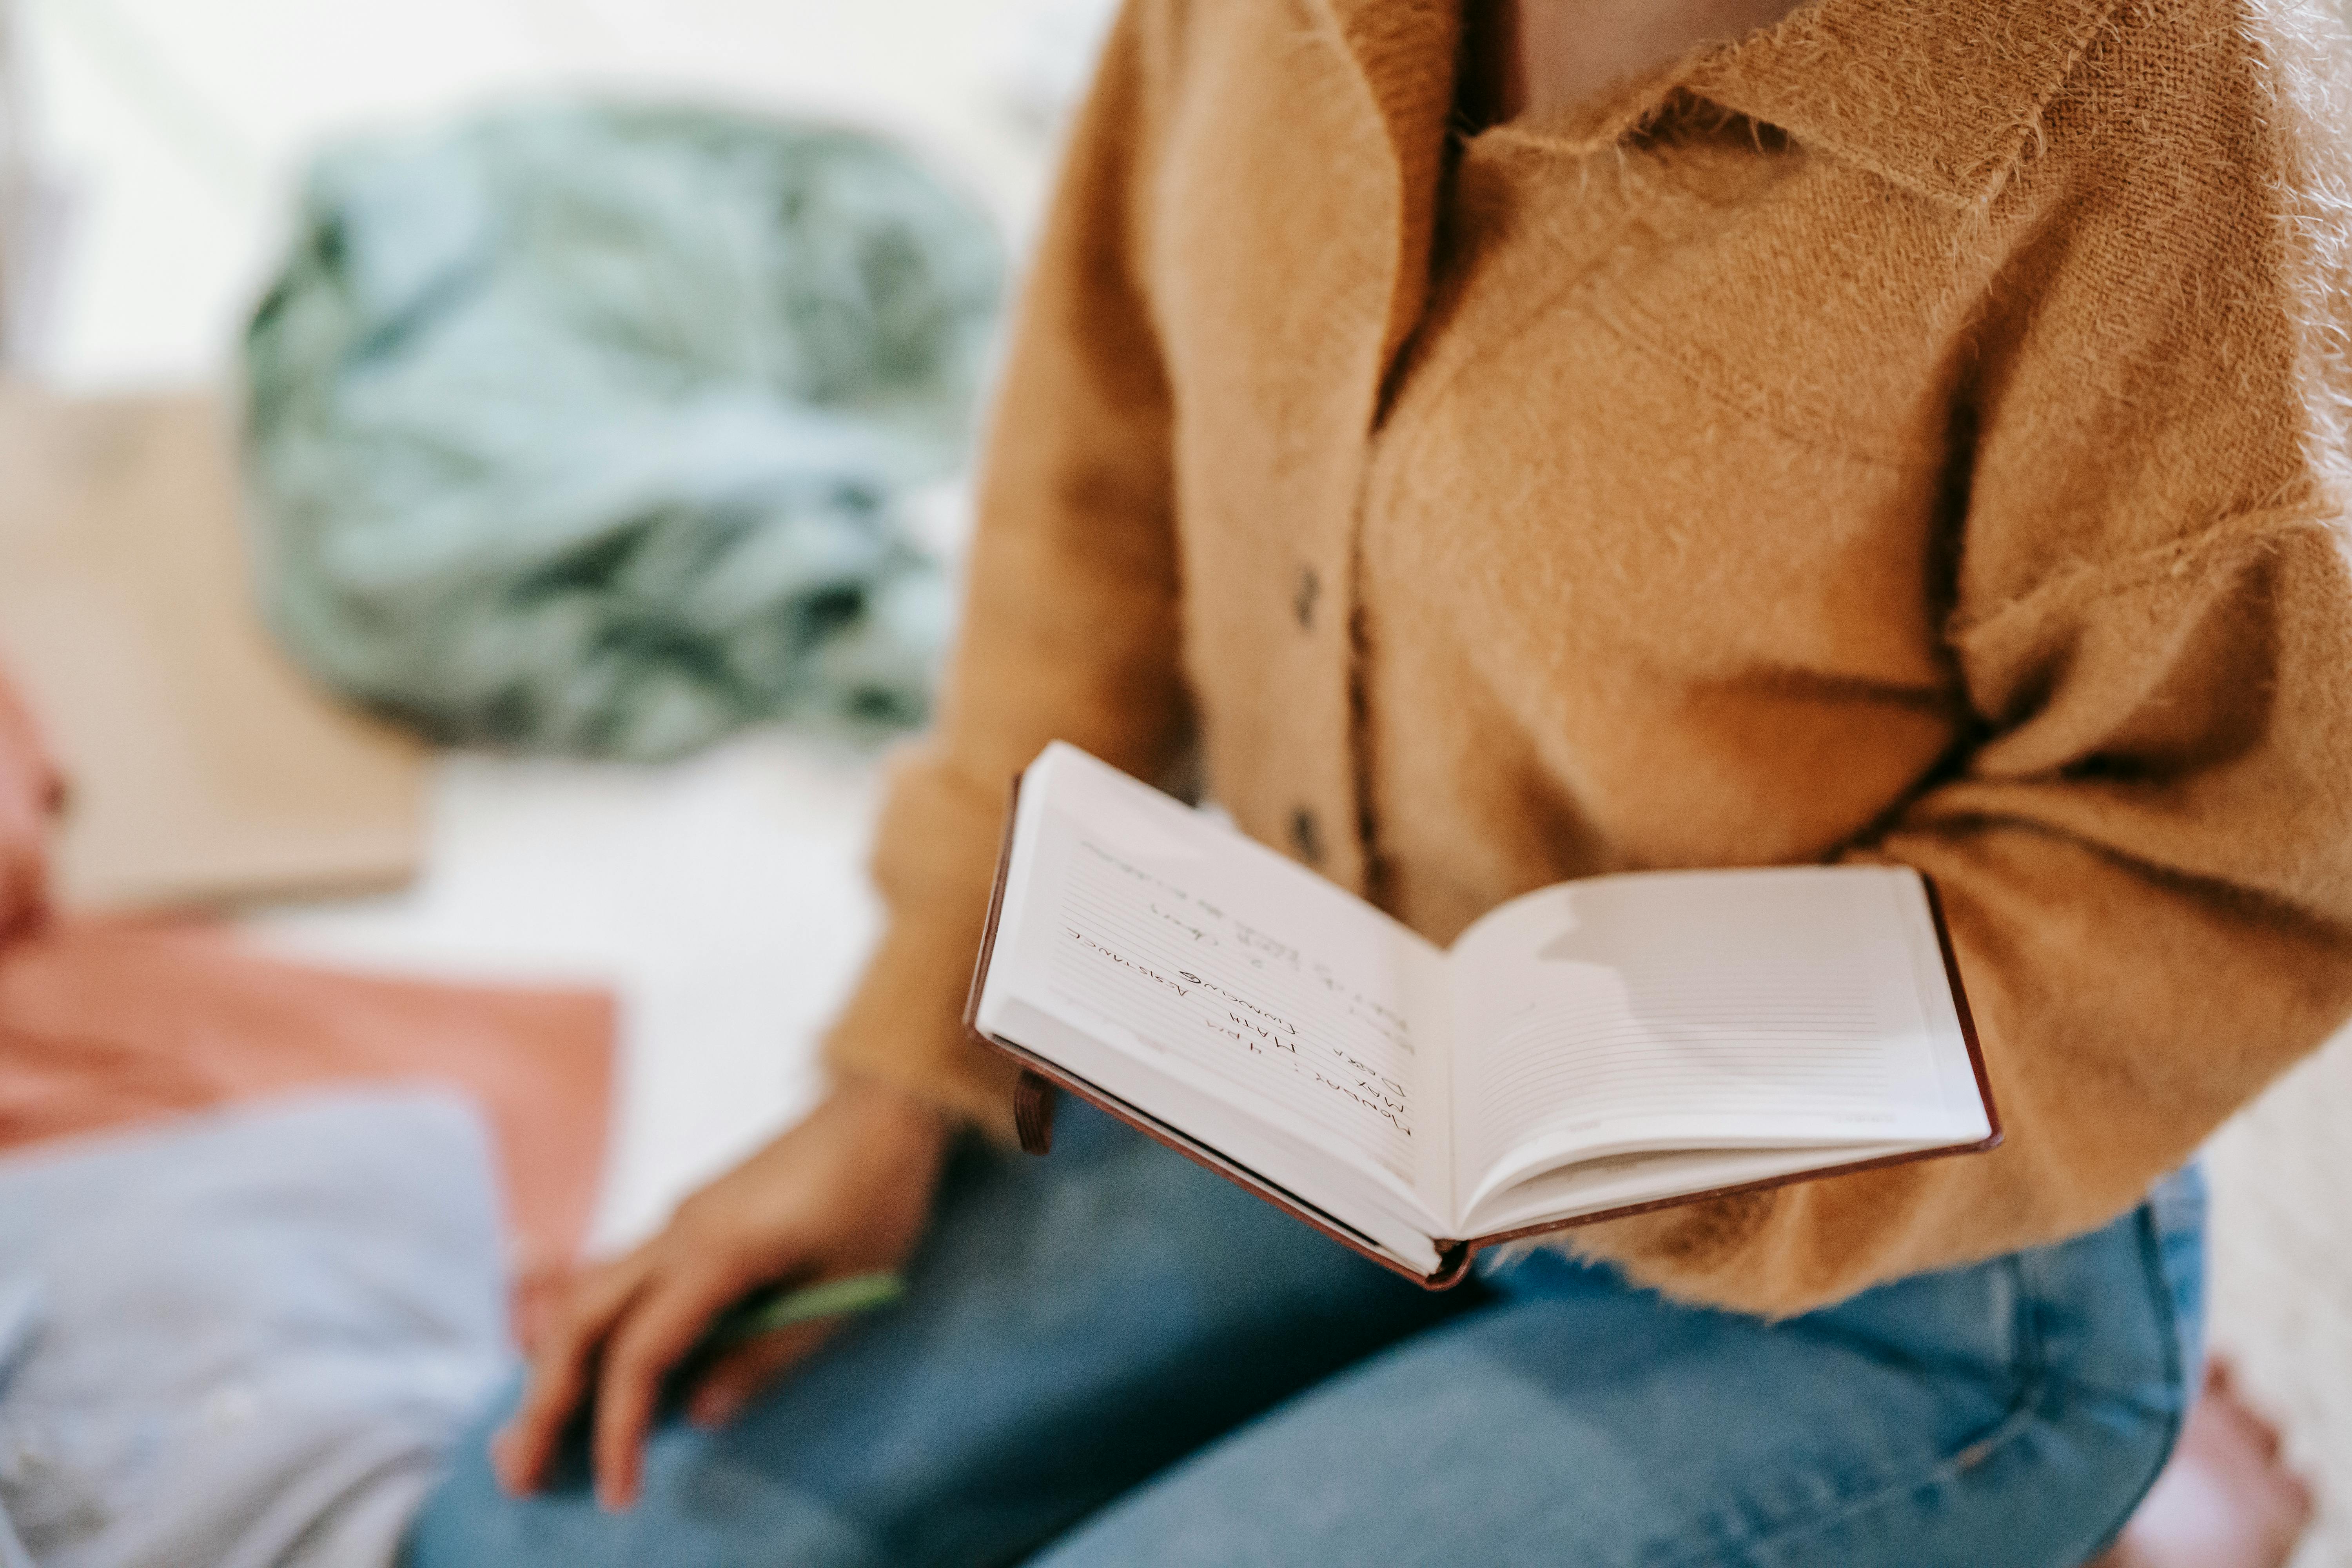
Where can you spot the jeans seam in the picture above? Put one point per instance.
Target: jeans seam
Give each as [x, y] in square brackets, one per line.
[2030, 1365]
[2021, 1416]
[1970, 1455]
[2152, 1251]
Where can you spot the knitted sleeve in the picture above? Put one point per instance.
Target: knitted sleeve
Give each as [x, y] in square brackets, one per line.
[2147, 854]
[1070, 614]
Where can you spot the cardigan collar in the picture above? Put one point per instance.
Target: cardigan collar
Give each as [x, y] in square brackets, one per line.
[1405, 49]
[1941, 96]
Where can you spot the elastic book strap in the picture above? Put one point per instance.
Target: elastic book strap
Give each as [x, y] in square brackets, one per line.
[1032, 1112]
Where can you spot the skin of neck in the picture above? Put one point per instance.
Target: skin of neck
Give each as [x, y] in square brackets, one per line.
[1540, 57]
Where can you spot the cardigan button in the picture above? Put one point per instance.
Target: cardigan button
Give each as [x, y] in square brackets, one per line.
[1306, 837]
[1302, 603]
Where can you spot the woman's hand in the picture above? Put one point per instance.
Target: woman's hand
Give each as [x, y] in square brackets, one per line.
[845, 1192]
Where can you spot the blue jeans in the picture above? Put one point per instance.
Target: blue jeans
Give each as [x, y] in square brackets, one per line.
[1109, 1357]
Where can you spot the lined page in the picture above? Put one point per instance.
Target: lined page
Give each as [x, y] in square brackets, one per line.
[1746, 1035]
[1694, 1009]
[1149, 925]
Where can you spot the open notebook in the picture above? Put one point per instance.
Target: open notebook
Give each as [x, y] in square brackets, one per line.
[1582, 1051]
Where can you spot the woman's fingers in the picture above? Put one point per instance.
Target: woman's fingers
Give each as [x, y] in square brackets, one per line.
[536, 1302]
[846, 1189]
[559, 1364]
[660, 1327]
[732, 1381]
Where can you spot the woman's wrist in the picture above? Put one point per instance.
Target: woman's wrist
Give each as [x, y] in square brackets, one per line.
[893, 1118]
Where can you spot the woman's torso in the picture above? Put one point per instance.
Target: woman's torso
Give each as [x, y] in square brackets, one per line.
[1618, 536]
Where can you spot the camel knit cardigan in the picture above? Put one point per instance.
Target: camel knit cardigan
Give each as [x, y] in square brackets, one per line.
[1914, 432]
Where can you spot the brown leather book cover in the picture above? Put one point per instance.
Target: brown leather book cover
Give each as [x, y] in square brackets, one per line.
[1041, 1079]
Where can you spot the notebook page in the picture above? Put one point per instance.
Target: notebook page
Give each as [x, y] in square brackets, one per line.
[1774, 1007]
[1380, 1216]
[1590, 1187]
[1166, 934]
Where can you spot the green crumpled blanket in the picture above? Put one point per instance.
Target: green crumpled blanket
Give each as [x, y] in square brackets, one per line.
[591, 429]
